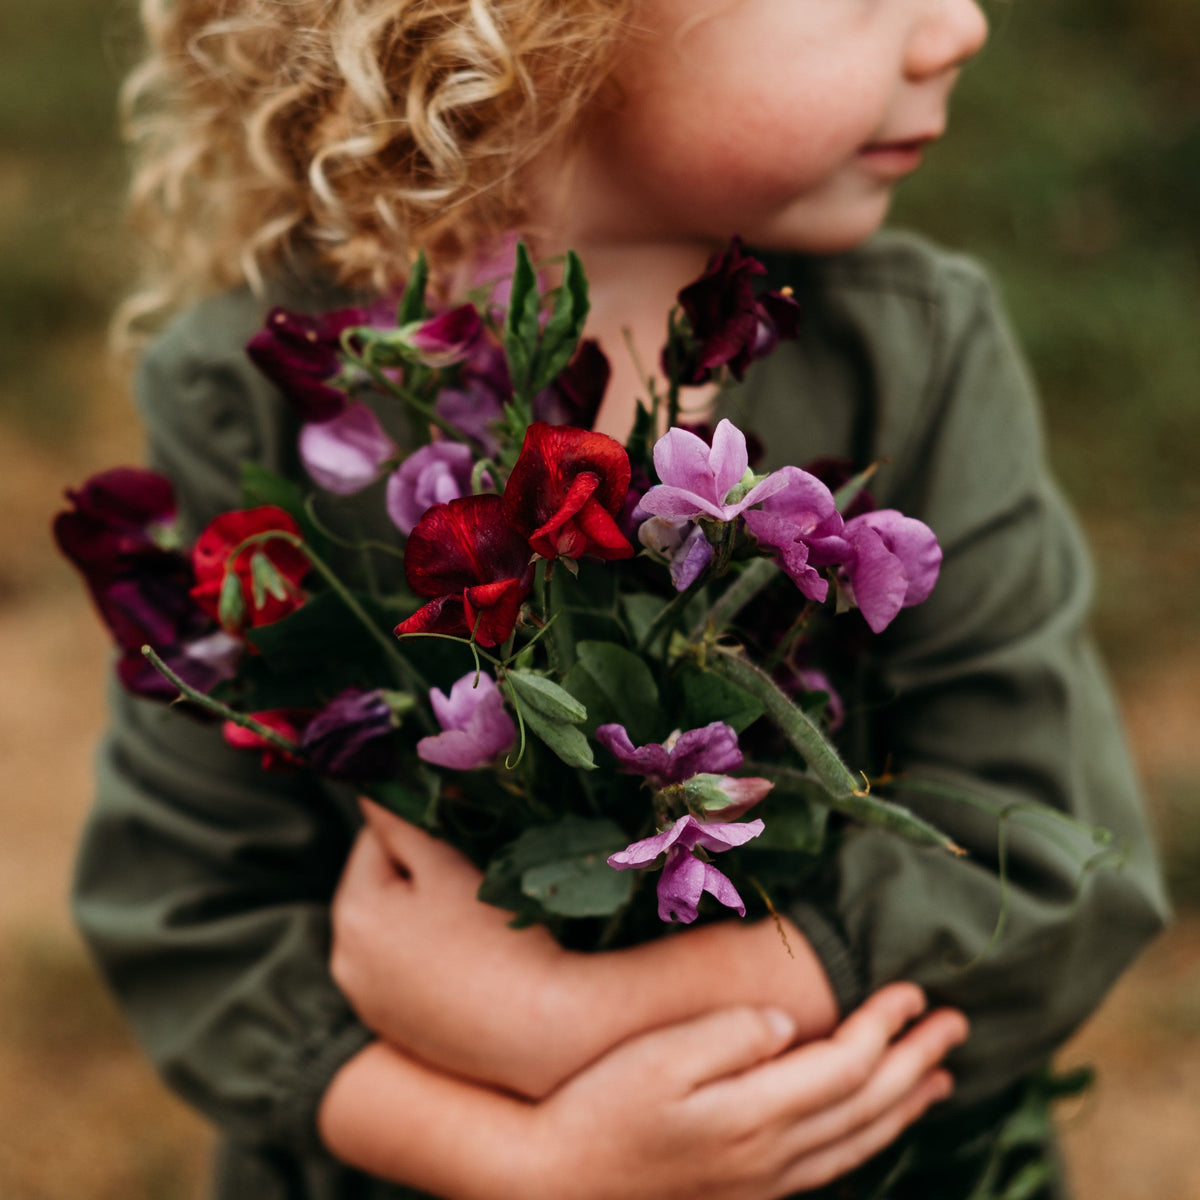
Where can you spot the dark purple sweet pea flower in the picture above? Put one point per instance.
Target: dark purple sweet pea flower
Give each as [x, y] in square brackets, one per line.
[299, 353]
[574, 398]
[477, 728]
[894, 563]
[800, 522]
[712, 749]
[477, 400]
[685, 877]
[697, 479]
[682, 543]
[346, 454]
[730, 325]
[444, 339]
[350, 738]
[434, 474]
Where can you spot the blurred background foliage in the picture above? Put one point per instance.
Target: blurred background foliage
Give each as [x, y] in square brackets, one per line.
[1072, 169]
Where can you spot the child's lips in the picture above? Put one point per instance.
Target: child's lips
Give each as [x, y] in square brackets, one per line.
[894, 159]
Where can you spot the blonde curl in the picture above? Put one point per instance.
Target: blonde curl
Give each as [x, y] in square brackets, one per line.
[358, 131]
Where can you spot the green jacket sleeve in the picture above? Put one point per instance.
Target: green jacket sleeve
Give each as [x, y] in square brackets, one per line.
[990, 689]
[203, 885]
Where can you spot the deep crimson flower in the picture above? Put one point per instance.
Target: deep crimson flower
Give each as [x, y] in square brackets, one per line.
[567, 490]
[279, 565]
[298, 352]
[730, 325]
[474, 564]
[289, 722]
[574, 398]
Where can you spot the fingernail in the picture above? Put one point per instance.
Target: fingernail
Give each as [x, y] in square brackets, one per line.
[781, 1023]
[945, 1088]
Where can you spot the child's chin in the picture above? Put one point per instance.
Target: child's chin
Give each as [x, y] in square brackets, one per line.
[833, 233]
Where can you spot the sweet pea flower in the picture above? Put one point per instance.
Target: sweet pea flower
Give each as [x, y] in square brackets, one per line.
[481, 390]
[712, 749]
[346, 453]
[574, 398]
[685, 877]
[894, 563]
[350, 738]
[800, 522]
[444, 339]
[697, 478]
[471, 562]
[476, 727]
[682, 543]
[288, 722]
[434, 474]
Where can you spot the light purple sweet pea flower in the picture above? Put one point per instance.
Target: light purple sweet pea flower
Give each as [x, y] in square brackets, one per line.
[434, 474]
[712, 749]
[477, 401]
[682, 543]
[697, 478]
[346, 453]
[800, 522]
[477, 729]
[894, 564]
[685, 877]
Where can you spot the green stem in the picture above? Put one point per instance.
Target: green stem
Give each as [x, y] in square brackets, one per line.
[424, 411]
[667, 615]
[863, 807]
[217, 708]
[823, 760]
[736, 596]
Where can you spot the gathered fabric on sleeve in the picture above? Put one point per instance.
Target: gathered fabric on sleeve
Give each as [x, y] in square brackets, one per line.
[990, 689]
[203, 884]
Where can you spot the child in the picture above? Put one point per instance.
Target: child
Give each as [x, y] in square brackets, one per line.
[315, 145]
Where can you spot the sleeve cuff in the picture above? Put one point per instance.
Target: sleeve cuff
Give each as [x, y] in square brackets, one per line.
[313, 1073]
[832, 948]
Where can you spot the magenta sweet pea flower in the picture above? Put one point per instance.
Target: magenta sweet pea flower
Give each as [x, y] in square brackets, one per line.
[800, 522]
[445, 339]
[685, 877]
[476, 727]
[894, 563]
[712, 749]
[697, 478]
[346, 453]
[434, 474]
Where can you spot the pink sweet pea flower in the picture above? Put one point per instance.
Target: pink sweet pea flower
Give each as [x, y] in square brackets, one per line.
[345, 454]
[476, 727]
[712, 749]
[434, 474]
[894, 564]
[685, 877]
[446, 339]
[697, 478]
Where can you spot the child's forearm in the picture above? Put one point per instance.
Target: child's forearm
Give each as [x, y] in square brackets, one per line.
[603, 999]
[393, 1118]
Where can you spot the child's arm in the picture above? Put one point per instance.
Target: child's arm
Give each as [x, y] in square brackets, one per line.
[437, 972]
[707, 1107]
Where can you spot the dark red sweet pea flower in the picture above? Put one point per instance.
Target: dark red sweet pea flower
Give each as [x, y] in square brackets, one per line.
[730, 325]
[298, 352]
[280, 568]
[574, 398]
[474, 564]
[567, 490]
[289, 722]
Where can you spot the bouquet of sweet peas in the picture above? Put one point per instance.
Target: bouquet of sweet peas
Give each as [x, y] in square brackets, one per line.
[583, 662]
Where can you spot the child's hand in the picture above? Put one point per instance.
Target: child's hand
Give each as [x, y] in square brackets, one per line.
[436, 972]
[706, 1107]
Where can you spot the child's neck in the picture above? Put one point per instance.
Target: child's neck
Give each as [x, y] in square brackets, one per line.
[633, 285]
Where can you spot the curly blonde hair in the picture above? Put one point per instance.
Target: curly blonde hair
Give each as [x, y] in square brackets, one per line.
[358, 130]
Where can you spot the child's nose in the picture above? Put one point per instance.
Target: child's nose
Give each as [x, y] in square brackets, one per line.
[945, 35]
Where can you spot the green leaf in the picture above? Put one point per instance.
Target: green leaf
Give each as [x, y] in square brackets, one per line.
[566, 740]
[561, 336]
[616, 685]
[640, 610]
[848, 492]
[412, 304]
[578, 887]
[546, 697]
[521, 324]
[261, 485]
[710, 697]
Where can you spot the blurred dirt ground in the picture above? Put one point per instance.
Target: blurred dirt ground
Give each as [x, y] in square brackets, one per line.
[85, 1119]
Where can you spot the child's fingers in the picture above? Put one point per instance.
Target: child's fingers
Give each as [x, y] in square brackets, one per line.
[369, 864]
[905, 1065]
[815, 1169]
[427, 859]
[824, 1072]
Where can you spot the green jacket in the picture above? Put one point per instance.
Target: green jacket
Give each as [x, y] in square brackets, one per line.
[203, 885]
